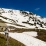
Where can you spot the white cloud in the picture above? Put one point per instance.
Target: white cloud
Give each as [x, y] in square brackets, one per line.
[37, 9]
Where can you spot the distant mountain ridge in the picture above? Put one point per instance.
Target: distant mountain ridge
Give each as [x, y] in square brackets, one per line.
[21, 19]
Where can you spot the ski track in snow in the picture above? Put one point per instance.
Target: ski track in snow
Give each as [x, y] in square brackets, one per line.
[27, 40]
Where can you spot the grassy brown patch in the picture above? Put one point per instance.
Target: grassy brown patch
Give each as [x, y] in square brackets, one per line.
[42, 35]
[12, 42]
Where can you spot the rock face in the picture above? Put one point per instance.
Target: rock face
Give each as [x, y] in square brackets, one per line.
[21, 19]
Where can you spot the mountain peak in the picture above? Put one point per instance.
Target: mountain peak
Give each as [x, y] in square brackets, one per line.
[21, 19]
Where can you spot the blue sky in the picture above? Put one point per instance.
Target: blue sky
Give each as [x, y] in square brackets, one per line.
[36, 6]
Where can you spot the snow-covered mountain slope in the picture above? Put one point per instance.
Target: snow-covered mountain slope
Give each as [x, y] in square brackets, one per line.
[27, 38]
[21, 19]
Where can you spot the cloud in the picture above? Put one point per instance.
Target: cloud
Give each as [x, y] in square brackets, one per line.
[37, 9]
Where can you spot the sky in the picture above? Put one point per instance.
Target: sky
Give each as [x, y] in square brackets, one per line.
[36, 6]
